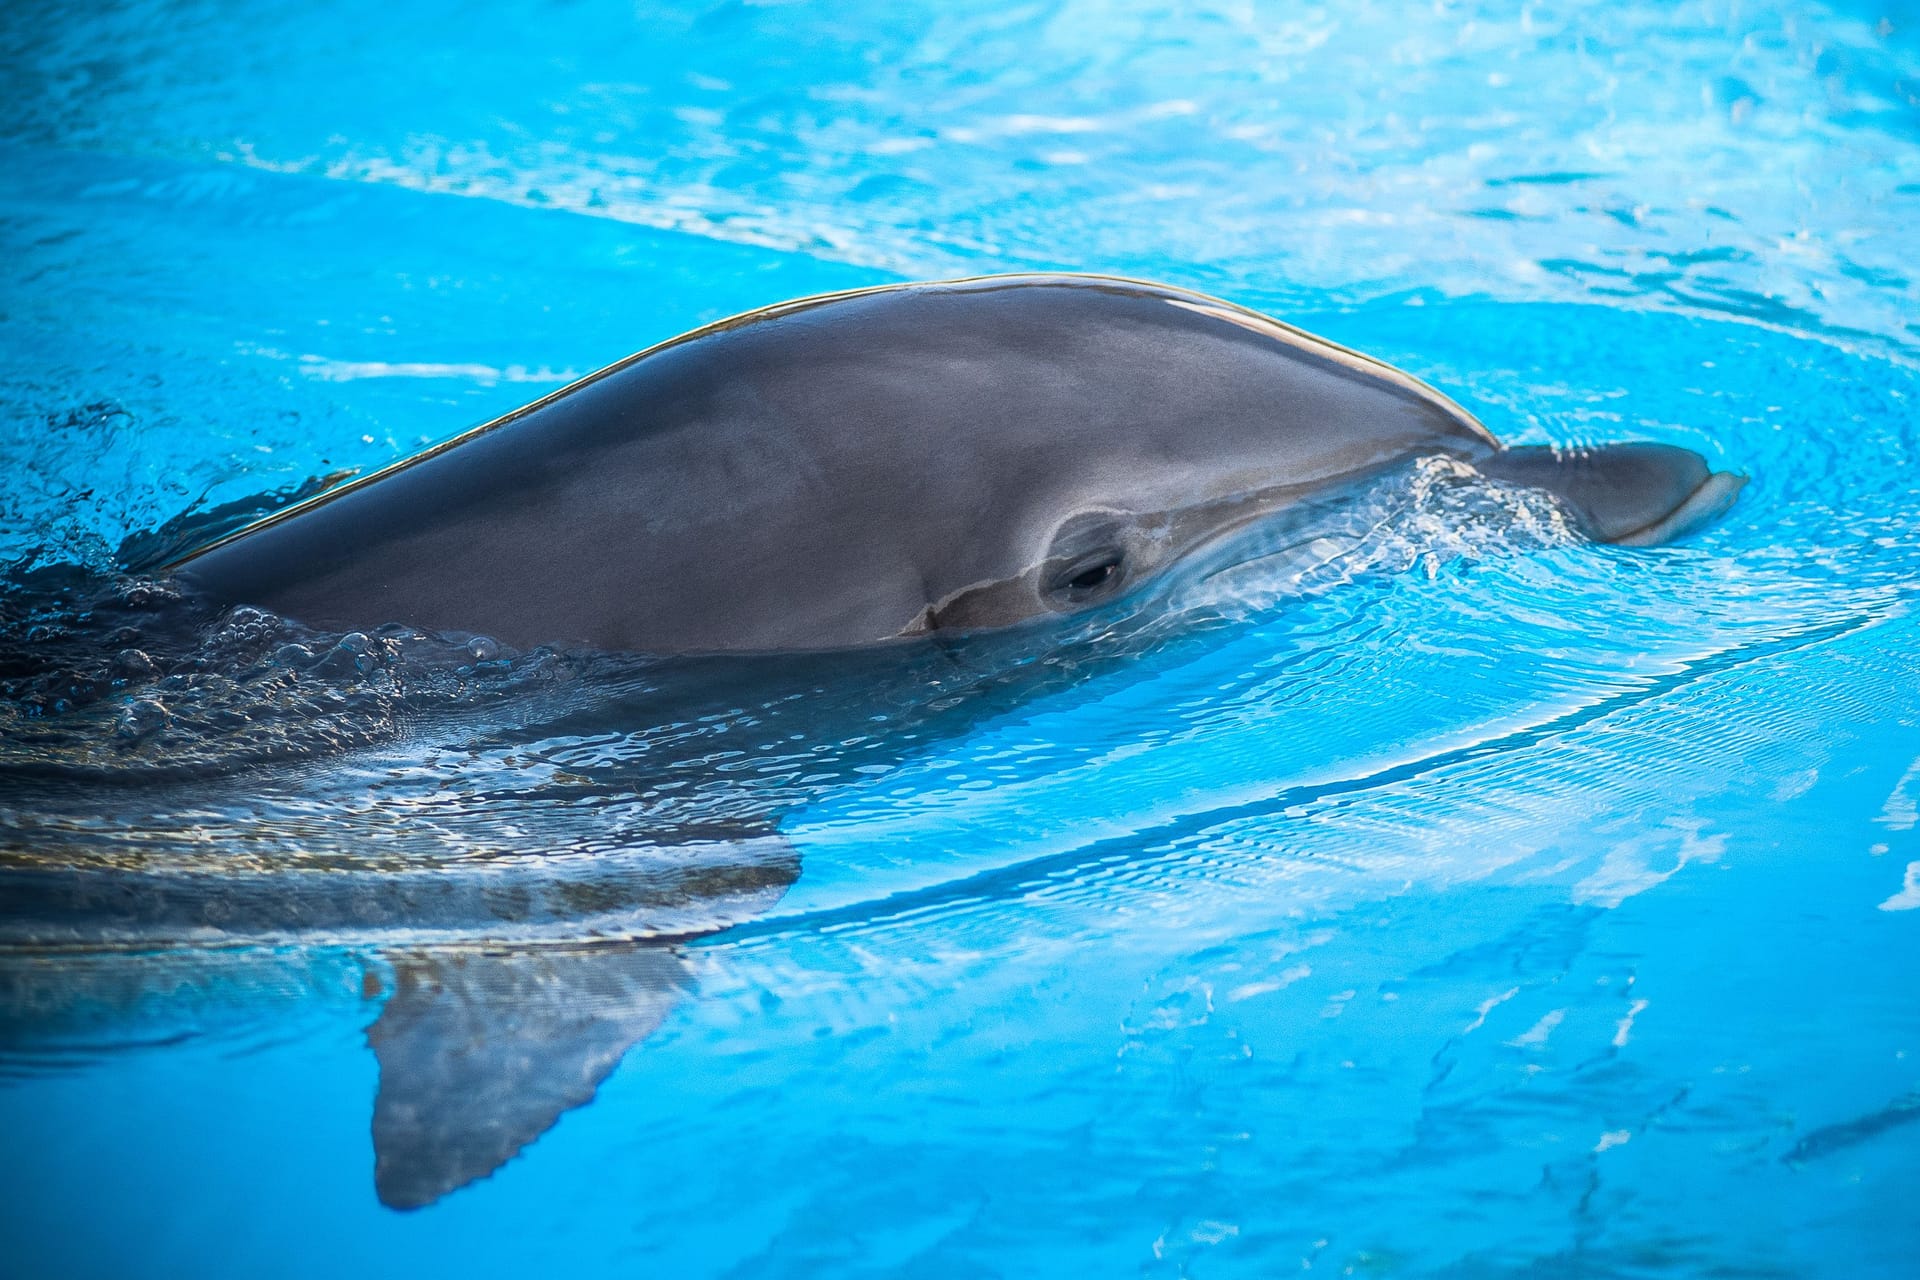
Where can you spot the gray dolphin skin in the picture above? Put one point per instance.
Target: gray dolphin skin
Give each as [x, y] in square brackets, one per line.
[857, 467]
[787, 509]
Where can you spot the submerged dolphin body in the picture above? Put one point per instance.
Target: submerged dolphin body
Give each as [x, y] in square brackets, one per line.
[516, 913]
[785, 502]
[856, 467]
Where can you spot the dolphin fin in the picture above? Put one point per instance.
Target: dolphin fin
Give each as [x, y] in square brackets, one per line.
[1636, 495]
[482, 1051]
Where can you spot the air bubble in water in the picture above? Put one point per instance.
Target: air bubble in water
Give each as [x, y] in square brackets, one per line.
[139, 718]
[293, 655]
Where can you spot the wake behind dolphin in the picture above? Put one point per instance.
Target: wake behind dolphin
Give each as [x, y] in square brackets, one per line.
[816, 539]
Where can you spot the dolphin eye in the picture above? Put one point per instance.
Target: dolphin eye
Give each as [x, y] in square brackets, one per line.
[1089, 576]
[1094, 576]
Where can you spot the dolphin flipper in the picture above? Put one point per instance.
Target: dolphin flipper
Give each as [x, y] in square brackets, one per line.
[482, 1051]
[1635, 495]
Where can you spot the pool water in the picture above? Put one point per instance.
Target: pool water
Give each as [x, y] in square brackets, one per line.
[1481, 903]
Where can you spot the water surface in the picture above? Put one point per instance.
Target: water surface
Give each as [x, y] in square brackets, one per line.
[1497, 904]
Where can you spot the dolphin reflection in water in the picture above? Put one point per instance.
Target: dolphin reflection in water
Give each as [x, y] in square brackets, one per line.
[512, 719]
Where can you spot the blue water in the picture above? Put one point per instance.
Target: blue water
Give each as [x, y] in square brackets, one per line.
[1499, 904]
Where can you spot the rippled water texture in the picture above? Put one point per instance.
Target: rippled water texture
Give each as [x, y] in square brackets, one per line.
[1445, 897]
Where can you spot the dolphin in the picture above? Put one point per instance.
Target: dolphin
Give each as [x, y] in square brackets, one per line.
[888, 462]
[847, 522]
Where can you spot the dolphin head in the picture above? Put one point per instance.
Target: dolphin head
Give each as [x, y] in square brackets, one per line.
[1018, 449]
[979, 454]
